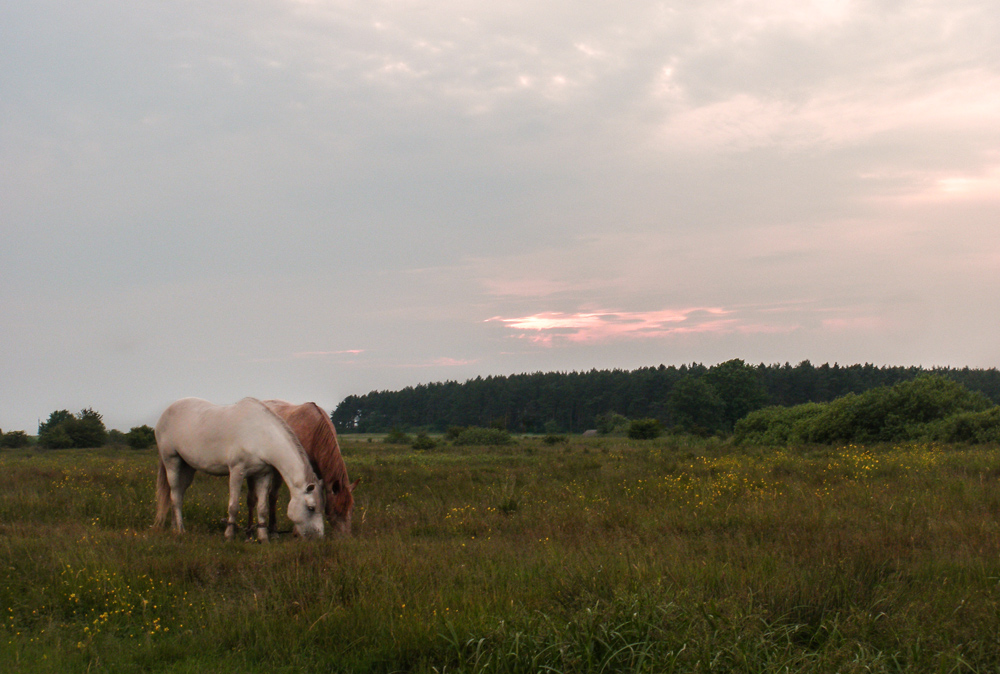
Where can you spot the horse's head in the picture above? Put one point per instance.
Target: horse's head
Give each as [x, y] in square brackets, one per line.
[305, 510]
[340, 504]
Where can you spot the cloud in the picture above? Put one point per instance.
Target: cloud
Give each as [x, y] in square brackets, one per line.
[601, 326]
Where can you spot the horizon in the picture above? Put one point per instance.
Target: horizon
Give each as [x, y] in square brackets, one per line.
[330, 410]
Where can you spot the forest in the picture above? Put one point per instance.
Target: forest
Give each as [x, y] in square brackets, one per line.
[689, 398]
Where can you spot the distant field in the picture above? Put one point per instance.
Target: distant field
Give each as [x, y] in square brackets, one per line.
[597, 555]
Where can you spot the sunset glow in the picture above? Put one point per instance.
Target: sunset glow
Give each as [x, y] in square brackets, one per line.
[600, 326]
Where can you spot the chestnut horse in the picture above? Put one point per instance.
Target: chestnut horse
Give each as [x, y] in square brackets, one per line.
[315, 431]
[245, 440]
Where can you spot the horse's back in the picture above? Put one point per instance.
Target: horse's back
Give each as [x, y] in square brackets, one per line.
[206, 435]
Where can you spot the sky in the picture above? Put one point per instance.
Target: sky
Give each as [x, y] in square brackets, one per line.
[309, 199]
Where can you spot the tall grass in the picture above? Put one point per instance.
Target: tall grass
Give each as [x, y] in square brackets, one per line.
[590, 556]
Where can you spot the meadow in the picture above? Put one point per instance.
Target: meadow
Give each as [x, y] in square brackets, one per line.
[592, 555]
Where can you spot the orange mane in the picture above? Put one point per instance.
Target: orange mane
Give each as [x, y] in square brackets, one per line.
[319, 438]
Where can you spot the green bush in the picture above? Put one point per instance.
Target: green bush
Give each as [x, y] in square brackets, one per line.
[644, 429]
[928, 407]
[64, 430]
[968, 427]
[554, 438]
[55, 438]
[397, 437]
[14, 439]
[140, 437]
[611, 423]
[775, 426]
[892, 413]
[424, 441]
[474, 435]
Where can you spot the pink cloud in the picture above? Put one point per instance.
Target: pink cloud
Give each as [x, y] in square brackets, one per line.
[599, 326]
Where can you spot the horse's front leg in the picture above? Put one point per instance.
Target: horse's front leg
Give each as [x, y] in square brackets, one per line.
[236, 475]
[262, 486]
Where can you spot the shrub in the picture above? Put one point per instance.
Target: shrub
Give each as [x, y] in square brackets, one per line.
[644, 429]
[14, 439]
[55, 438]
[424, 441]
[967, 427]
[775, 426]
[140, 437]
[64, 430]
[397, 437]
[552, 439]
[892, 413]
[611, 423]
[474, 435]
[928, 407]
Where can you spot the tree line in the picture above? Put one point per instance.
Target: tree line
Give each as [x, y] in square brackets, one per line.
[691, 398]
[86, 429]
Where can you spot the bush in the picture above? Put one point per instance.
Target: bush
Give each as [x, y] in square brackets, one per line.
[553, 439]
[928, 407]
[140, 437]
[474, 435]
[64, 430]
[892, 413]
[14, 439]
[397, 437]
[611, 423]
[775, 426]
[424, 441]
[644, 429]
[968, 427]
[55, 438]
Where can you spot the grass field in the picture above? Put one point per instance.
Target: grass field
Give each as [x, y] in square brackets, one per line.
[597, 555]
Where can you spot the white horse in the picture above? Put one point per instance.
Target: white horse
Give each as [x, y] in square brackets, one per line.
[245, 440]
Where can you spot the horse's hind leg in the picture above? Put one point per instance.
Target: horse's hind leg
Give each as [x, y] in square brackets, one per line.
[251, 504]
[236, 474]
[179, 476]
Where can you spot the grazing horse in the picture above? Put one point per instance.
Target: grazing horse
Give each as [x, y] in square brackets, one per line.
[246, 441]
[315, 431]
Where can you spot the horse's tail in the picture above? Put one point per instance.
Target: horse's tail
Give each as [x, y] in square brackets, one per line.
[162, 497]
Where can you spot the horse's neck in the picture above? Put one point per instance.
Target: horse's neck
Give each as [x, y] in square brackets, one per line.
[292, 464]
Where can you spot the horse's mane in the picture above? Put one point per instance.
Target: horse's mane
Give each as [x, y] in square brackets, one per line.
[289, 433]
[325, 447]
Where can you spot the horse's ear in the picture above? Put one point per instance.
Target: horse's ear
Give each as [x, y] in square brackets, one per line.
[354, 484]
